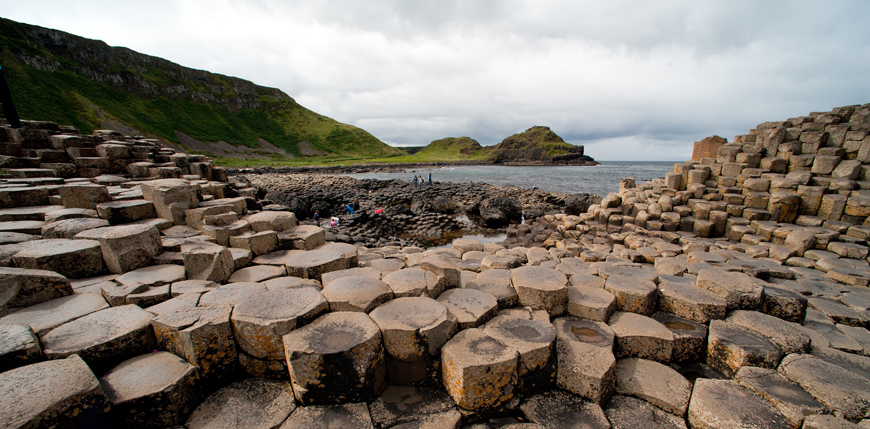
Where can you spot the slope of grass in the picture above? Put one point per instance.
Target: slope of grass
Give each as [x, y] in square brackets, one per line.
[58, 92]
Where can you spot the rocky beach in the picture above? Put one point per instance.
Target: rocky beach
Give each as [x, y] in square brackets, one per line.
[145, 287]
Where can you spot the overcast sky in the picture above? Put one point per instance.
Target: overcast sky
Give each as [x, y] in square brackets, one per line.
[632, 80]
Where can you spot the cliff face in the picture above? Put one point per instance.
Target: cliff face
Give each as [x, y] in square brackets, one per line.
[140, 74]
[70, 79]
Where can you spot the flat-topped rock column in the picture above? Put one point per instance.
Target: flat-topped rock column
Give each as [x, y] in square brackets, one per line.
[414, 330]
[20, 287]
[479, 373]
[252, 403]
[731, 347]
[411, 282]
[721, 404]
[339, 357]
[534, 340]
[641, 336]
[541, 288]
[83, 195]
[470, 307]
[48, 315]
[260, 322]
[18, 346]
[356, 294]
[561, 410]
[302, 237]
[70, 258]
[313, 263]
[585, 361]
[119, 212]
[793, 402]
[655, 383]
[171, 197]
[57, 393]
[128, 247]
[206, 261]
[202, 336]
[153, 390]
[103, 338]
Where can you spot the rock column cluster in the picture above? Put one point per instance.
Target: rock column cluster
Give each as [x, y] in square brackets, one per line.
[186, 302]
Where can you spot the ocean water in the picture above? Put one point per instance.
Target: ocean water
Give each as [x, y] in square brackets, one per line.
[599, 179]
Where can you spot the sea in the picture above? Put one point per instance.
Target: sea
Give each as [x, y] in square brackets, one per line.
[600, 179]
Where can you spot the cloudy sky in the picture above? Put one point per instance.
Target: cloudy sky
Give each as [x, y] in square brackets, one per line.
[632, 80]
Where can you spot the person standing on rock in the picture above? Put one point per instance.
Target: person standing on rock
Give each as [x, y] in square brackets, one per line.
[317, 216]
[349, 209]
[415, 180]
[430, 178]
[355, 204]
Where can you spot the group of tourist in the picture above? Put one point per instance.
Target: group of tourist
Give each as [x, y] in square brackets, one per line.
[420, 180]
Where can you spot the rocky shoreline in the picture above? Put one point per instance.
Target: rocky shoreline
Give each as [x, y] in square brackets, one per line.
[409, 215]
[389, 167]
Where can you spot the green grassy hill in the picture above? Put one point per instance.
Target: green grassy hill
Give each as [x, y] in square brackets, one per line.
[60, 77]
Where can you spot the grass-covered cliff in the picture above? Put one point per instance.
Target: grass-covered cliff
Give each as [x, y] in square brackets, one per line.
[535, 145]
[86, 83]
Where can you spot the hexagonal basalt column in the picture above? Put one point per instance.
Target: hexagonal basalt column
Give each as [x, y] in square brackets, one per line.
[414, 328]
[202, 336]
[730, 347]
[541, 288]
[471, 307]
[411, 282]
[585, 358]
[337, 358]
[253, 403]
[153, 390]
[260, 322]
[103, 338]
[533, 339]
[356, 294]
[71, 258]
[58, 393]
[479, 373]
[313, 263]
[641, 336]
